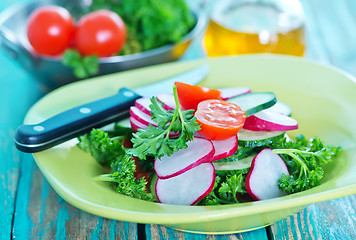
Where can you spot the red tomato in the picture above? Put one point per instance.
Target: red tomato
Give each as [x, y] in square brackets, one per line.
[219, 119]
[102, 33]
[191, 95]
[50, 30]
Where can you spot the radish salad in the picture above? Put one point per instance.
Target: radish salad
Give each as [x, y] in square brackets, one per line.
[204, 146]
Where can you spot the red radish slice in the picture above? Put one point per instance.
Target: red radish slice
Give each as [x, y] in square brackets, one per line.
[281, 108]
[144, 105]
[167, 100]
[227, 93]
[224, 148]
[187, 188]
[142, 117]
[135, 125]
[266, 169]
[270, 121]
[200, 150]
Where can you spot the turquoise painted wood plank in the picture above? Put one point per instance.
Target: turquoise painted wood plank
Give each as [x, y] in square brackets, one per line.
[12, 113]
[335, 219]
[15, 100]
[158, 232]
[42, 214]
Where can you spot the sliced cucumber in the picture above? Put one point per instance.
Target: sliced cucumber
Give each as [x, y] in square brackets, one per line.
[247, 138]
[254, 102]
[124, 123]
[235, 165]
[241, 153]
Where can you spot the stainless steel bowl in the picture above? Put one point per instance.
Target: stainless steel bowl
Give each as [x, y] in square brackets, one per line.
[51, 72]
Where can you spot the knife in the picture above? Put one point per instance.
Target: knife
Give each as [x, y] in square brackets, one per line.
[81, 119]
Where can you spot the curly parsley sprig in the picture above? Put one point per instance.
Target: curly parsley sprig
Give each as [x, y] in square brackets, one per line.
[109, 151]
[123, 176]
[304, 159]
[156, 141]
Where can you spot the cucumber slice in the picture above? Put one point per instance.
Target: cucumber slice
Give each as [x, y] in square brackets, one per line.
[120, 128]
[235, 165]
[253, 139]
[254, 102]
[241, 153]
[124, 123]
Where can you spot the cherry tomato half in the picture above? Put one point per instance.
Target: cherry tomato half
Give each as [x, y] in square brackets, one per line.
[50, 30]
[219, 119]
[102, 33]
[190, 96]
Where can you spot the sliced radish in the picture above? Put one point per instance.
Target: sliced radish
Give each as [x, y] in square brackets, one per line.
[142, 117]
[199, 151]
[281, 108]
[167, 100]
[266, 169]
[267, 120]
[135, 125]
[187, 188]
[227, 93]
[144, 105]
[224, 148]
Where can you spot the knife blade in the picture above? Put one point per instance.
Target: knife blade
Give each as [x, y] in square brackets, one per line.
[81, 119]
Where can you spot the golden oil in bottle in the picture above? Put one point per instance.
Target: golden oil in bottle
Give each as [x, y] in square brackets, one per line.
[241, 27]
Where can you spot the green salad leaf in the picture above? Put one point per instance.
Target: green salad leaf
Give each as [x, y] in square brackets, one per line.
[109, 151]
[104, 149]
[126, 182]
[83, 67]
[155, 141]
[150, 23]
[304, 159]
[229, 188]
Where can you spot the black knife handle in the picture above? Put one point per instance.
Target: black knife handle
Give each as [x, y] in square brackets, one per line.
[74, 122]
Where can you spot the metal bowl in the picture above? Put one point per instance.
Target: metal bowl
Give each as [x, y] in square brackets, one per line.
[51, 72]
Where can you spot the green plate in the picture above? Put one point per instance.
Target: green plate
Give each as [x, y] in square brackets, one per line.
[323, 100]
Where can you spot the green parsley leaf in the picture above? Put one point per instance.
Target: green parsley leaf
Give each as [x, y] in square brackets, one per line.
[104, 149]
[155, 141]
[229, 188]
[304, 159]
[127, 184]
[150, 23]
[110, 152]
[83, 67]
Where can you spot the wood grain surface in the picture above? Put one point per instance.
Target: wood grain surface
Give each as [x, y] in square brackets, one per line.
[30, 209]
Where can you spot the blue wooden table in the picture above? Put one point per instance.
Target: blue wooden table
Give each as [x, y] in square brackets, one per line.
[30, 209]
